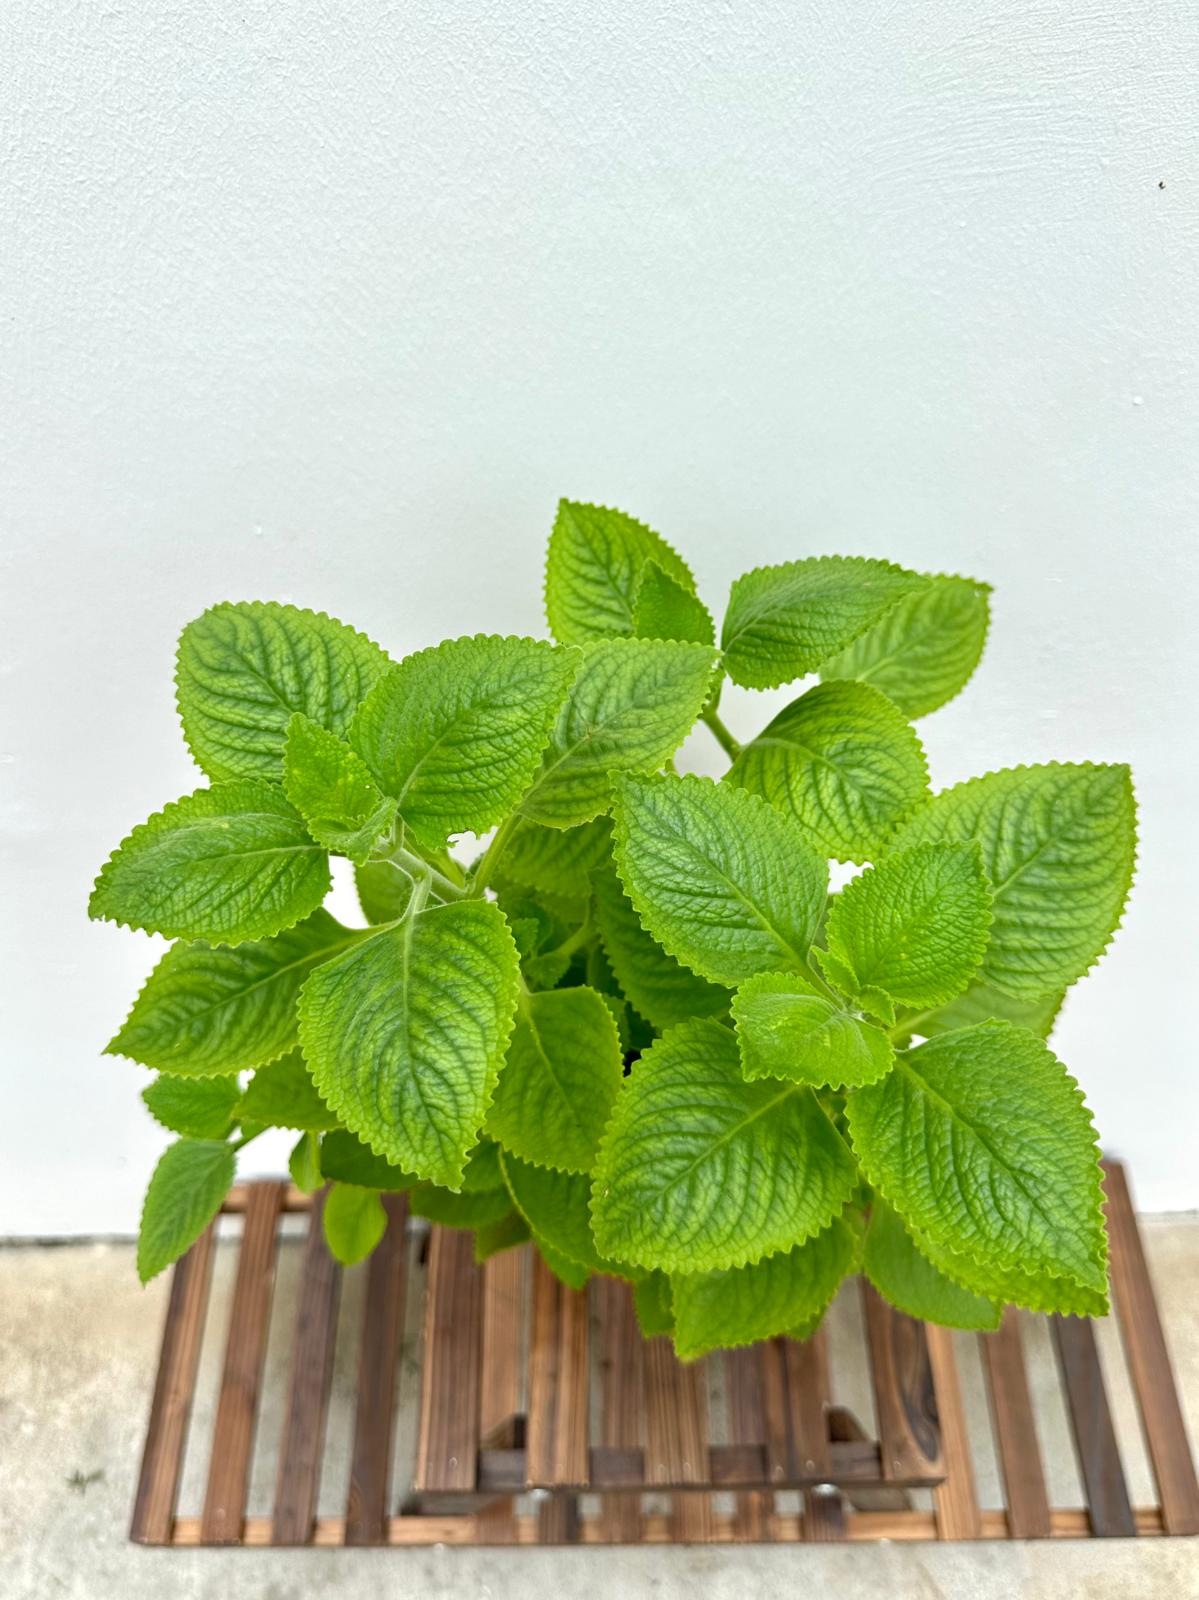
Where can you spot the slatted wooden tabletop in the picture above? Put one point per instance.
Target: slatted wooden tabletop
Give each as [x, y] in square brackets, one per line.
[544, 1417]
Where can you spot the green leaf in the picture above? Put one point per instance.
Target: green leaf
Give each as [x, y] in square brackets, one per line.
[783, 622]
[333, 791]
[924, 649]
[283, 1095]
[980, 1003]
[679, 1182]
[477, 1210]
[556, 1089]
[558, 861]
[200, 1108]
[304, 1163]
[658, 986]
[982, 1143]
[844, 762]
[1058, 844]
[572, 1273]
[596, 559]
[913, 929]
[244, 669]
[653, 1304]
[345, 1159]
[225, 864]
[721, 1310]
[185, 1193]
[455, 733]
[493, 1237]
[906, 1277]
[404, 1035]
[555, 1205]
[1006, 1286]
[210, 1010]
[724, 882]
[630, 707]
[788, 1029]
[354, 1222]
[665, 609]
[483, 1169]
[383, 891]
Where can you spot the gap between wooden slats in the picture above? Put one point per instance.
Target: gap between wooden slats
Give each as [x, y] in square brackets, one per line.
[448, 1445]
[1091, 1423]
[237, 1409]
[622, 1399]
[1015, 1430]
[676, 1428]
[382, 1326]
[955, 1501]
[905, 1402]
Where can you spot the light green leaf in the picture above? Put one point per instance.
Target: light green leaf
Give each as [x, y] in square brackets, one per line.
[980, 1003]
[653, 1304]
[557, 1086]
[354, 1222]
[596, 559]
[455, 733]
[505, 1234]
[383, 891]
[906, 1277]
[207, 1010]
[630, 707]
[333, 791]
[185, 1193]
[1058, 845]
[283, 1095]
[665, 609]
[225, 864]
[199, 1108]
[478, 1209]
[913, 929]
[1006, 1286]
[244, 669]
[404, 1035]
[783, 622]
[555, 1205]
[723, 881]
[572, 1273]
[658, 986]
[980, 1140]
[924, 649]
[557, 861]
[483, 1170]
[721, 1310]
[304, 1163]
[788, 1029]
[679, 1183]
[346, 1159]
[844, 762]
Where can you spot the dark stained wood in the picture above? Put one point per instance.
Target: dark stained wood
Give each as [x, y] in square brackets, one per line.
[676, 1432]
[1094, 1436]
[808, 1390]
[448, 1444]
[303, 1443]
[1149, 1362]
[170, 1410]
[955, 1501]
[752, 1508]
[846, 1432]
[382, 1329]
[559, 1375]
[503, 1318]
[909, 1435]
[245, 1350]
[729, 1466]
[621, 1404]
[1015, 1430]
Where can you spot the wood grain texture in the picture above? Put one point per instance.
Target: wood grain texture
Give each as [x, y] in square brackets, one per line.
[1015, 1430]
[504, 1279]
[1149, 1362]
[382, 1329]
[808, 1388]
[448, 1443]
[1091, 1423]
[245, 1350]
[303, 1444]
[174, 1387]
[676, 1429]
[905, 1400]
[744, 1392]
[621, 1401]
[559, 1382]
[955, 1501]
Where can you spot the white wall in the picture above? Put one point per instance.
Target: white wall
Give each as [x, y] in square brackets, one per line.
[329, 303]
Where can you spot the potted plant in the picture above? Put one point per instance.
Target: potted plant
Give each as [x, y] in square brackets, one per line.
[639, 1029]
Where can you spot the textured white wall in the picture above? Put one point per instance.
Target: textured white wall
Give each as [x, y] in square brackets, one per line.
[329, 303]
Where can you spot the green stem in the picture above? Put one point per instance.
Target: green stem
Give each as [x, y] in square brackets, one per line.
[418, 869]
[482, 873]
[581, 936]
[724, 738]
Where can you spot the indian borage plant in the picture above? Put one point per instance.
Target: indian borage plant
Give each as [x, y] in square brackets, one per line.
[639, 1029]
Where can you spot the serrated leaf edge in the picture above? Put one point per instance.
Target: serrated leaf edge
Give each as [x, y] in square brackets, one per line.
[593, 505]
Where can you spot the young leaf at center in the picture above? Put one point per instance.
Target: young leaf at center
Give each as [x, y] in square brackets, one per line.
[787, 1028]
[330, 787]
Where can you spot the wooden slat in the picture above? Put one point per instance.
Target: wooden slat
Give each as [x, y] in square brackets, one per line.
[170, 1410]
[845, 1430]
[303, 1441]
[752, 1508]
[503, 1312]
[1015, 1430]
[676, 1429]
[448, 1444]
[382, 1329]
[1149, 1362]
[1091, 1421]
[955, 1502]
[905, 1401]
[622, 1401]
[556, 1439]
[245, 1349]
[808, 1386]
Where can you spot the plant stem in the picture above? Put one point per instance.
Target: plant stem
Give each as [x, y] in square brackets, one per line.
[482, 873]
[728, 744]
[417, 868]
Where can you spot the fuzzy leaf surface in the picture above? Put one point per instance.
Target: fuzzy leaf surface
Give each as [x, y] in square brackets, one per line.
[905, 1276]
[185, 1193]
[333, 791]
[283, 1095]
[594, 568]
[198, 1108]
[725, 883]
[1059, 845]
[666, 609]
[842, 760]
[225, 864]
[787, 1029]
[700, 1170]
[786, 621]
[1036, 1291]
[555, 1205]
[404, 1035]
[354, 1221]
[244, 669]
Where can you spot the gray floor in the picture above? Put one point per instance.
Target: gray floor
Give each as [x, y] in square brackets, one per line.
[78, 1340]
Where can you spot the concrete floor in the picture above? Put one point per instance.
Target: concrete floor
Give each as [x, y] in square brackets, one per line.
[78, 1342]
